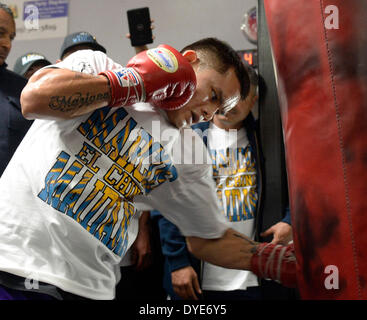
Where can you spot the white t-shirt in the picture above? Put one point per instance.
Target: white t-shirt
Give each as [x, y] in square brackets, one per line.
[72, 188]
[235, 175]
[133, 233]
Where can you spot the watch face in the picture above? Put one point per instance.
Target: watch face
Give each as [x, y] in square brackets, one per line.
[249, 25]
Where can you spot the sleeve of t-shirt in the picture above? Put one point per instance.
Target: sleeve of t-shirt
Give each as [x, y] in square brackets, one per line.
[87, 61]
[190, 201]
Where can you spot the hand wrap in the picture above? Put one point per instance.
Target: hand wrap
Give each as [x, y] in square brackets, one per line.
[275, 262]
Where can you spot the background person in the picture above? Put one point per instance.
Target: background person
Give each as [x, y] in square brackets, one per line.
[237, 167]
[13, 126]
[80, 40]
[29, 63]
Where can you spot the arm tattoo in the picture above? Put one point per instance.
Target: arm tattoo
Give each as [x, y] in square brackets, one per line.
[244, 238]
[76, 101]
[254, 244]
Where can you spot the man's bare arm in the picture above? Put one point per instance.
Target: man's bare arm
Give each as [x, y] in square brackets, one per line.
[233, 250]
[61, 93]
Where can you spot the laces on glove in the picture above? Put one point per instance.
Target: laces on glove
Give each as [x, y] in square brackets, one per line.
[121, 84]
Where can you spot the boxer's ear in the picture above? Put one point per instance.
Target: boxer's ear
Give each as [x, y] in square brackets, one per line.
[190, 55]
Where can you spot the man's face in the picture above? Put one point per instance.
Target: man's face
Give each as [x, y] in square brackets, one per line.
[34, 68]
[7, 34]
[233, 119]
[212, 91]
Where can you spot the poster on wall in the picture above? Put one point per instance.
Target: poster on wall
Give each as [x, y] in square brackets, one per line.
[42, 19]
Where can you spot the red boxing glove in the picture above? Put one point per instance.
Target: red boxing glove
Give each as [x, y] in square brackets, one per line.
[160, 76]
[276, 262]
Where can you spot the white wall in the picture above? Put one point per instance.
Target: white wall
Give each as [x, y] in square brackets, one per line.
[177, 22]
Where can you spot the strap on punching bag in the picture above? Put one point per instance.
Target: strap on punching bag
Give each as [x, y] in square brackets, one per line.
[274, 181]
[275, 194]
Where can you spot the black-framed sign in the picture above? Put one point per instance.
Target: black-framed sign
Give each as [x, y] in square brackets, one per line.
[249, 57]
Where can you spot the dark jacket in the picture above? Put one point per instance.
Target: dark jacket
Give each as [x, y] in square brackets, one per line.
[173, 243]
[13, 126]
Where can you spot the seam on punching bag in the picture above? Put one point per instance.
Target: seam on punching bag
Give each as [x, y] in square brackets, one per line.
[342, 150]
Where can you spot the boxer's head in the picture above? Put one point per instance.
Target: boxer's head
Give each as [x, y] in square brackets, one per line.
[220, 78]
[233, 118]
[7, 31]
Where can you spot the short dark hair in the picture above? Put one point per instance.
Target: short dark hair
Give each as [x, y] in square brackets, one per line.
[254, 78]
[6, 9]
[222, 57]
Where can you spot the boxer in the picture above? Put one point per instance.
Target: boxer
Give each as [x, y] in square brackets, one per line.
[91, 161]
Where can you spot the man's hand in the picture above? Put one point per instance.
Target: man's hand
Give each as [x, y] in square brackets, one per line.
[185, 283]
[282, 233]
[141, 252]
[139, 49]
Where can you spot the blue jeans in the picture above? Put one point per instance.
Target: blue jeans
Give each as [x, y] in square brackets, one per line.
[12, 294]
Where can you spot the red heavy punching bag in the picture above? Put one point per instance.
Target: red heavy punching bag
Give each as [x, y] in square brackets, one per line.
[320, 56]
